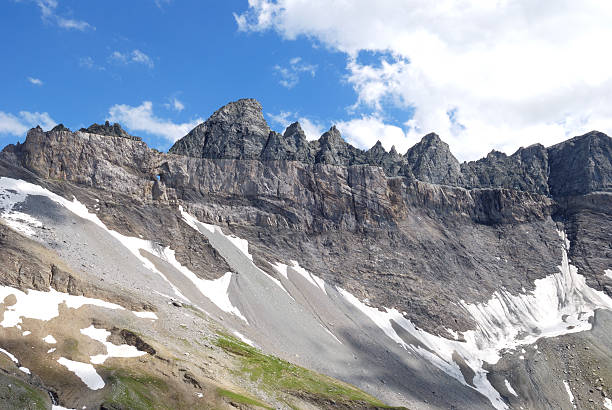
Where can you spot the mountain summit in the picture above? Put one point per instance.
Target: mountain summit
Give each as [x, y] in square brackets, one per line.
[248, 268]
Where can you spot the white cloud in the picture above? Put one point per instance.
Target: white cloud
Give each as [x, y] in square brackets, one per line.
[511, 72]
[19, 124]
[142, 118]
[312, 128]
[89, 63]
[175, 105]
[48, 14]
[135, 56]
[35, 81]
[365, 131]
[290, 75]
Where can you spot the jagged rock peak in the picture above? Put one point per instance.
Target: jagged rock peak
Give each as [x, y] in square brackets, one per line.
[581, 164]
[291, 146]
[59, 128]
[238, 130]
[113, 130]
[431, 161]
[294, 129]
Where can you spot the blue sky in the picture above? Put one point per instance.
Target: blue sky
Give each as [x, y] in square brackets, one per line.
[193, 55]
[483, 75]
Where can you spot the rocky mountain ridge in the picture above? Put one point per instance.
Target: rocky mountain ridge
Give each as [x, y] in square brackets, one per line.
[428, 244]
[241, 130]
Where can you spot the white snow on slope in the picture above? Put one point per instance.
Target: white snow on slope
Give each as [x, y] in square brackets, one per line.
[17, 220]
[112, 350]
[239, 244]
[243, 338]
[561, 303]
[13, 191]
[43, 305]
[608, 273]
[21, 222]
[84, 371]
[49, 339]
[145, 315]
[509, 387]
[607, 403]
[569, 393]
[10, 356]
[316, 281]
[216, 290]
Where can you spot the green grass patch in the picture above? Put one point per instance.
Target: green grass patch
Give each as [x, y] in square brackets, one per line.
[274, 374]
[20, 395]
[131, 391]
[239, 398]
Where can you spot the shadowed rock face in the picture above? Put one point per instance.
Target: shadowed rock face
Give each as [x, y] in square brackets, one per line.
[239, 131]
[416, 232]
[235, 131]
[432, 161]
[581, 165]
[114, 130]
[525, 170]
[291, 146]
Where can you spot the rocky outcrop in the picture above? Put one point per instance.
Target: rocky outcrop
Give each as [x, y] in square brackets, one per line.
[581, 165]
[290, 146]
[237, 130]
[327, 195]
[431, 161]
[332, 149]
[391, 162]
[114, 130]
[525, 170]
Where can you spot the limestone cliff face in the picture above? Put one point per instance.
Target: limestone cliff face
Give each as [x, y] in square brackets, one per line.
[401, 230]
[239, 131]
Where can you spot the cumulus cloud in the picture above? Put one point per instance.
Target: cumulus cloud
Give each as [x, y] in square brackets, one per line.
[49, 15]
[483, 74]
[290, 74]
[142, 118]
[365, 131]
[19, 124]
[312, 128]
[175, 105]
[135, 56]
[35, 81]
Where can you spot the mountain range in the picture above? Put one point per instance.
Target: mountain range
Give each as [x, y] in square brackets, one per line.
[248, 268]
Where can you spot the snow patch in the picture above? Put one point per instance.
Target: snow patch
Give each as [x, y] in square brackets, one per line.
[146, 315]
[10, 355]
[607, 403]
[49, 339]
[316, 281]
[509, 387]
[25, 370]
[44, 306]
[26, 333]
[331, 334]
[13, 191]
[217, 290]
[569, 393]
[84, 371]
[243, 338]
[239, 245]
[112, 350]
[608, 273]
[53, 349]
[561, 303]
